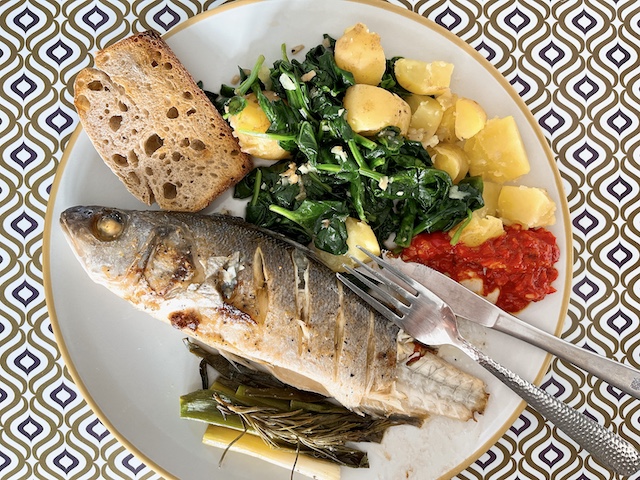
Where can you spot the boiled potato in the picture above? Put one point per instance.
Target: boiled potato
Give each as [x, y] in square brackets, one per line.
[423, 78]
[490, 194]
[479, 230]
[252, 118]
[425, 121]
[497, 152]
[370, 109]
[528, 206]
[470, 118]
[450, 158]
[446, 131]
[414, 101]
[359, 233]
[359, 51]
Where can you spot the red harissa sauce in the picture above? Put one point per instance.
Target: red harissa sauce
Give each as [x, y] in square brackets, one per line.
[520, 263]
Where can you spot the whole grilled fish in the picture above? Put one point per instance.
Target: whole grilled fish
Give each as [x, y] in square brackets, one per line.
[247, 292]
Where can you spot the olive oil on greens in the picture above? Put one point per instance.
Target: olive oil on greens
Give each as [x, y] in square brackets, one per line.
[386, 180]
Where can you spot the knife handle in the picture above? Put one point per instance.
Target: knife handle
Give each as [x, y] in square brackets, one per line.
[605, 446]
[614, 373]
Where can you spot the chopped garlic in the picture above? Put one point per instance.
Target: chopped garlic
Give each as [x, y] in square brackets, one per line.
[286, 82]
[308, 76]
[339, 152]
[456, 194]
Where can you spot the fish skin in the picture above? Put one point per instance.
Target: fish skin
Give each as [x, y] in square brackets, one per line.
[248, 292]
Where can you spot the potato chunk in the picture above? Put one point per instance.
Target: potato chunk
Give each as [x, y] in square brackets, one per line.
[470, 118]
[490, 194]
[497, 152]
[359, 233]
[359, 51]
[528, 206]
[414, 101]
[425, 121]
[253, 119]
[446, 130]
[370, 109]
[423, 78]
[479, 230]
[452, 159]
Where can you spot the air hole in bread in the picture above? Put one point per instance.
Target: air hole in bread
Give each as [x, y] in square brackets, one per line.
[187, 95]
[83, 102]
[168, 66]
[133, 158]
[123, 107]
[148, 171]
[95, 85]
[115, 122]
[184, 142]
[234, 152]
[176, 157]
[172, 112]
[156, 57]
[119, 160]
[162, 156]
[198, 145]
[153, 143]
[169, 191]
[191, 111]
[133, 178]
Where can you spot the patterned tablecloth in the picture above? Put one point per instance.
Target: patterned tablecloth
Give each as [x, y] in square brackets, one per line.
[574, 62]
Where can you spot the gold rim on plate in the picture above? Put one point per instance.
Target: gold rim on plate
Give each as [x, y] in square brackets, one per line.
[392, 9]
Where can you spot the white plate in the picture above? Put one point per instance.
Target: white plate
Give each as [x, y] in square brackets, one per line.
[131, 369]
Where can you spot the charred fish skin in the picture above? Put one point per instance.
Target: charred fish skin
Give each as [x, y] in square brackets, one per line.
[248, 292]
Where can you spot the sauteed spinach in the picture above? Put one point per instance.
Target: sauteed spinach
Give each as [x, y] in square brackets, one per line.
[386, 180]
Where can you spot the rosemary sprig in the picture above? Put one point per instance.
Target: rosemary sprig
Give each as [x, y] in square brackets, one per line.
[283, 416]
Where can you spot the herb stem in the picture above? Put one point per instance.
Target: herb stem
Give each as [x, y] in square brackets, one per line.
[367, 172]
[353, 148]
[283, 211]
[267, 136]
[256, 187]
[365, 142]
[244, 87]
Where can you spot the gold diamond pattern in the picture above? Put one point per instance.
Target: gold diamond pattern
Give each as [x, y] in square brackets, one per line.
[574, 62]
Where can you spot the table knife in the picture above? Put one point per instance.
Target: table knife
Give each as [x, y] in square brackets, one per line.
[473, 307]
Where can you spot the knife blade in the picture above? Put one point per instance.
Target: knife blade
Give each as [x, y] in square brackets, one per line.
[477, 309]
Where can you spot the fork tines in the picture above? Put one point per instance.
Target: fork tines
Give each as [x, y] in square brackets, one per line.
[384, 294]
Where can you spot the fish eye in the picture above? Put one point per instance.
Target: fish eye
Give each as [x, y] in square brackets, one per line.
[108, 226]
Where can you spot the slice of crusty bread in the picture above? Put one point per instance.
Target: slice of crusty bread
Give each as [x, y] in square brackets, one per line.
[155, 128]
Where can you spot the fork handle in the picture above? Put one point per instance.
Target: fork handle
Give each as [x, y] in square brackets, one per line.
[606, 447]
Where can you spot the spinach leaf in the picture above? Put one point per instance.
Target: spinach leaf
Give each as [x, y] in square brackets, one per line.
[385, 180]
[389, 80]
[324, 221]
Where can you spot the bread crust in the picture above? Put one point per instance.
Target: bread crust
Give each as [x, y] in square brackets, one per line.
[155, 128]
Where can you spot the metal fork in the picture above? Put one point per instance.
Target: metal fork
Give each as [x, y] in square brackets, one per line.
[428, 319]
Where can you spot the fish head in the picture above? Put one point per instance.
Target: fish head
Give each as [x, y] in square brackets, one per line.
[123, 248]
